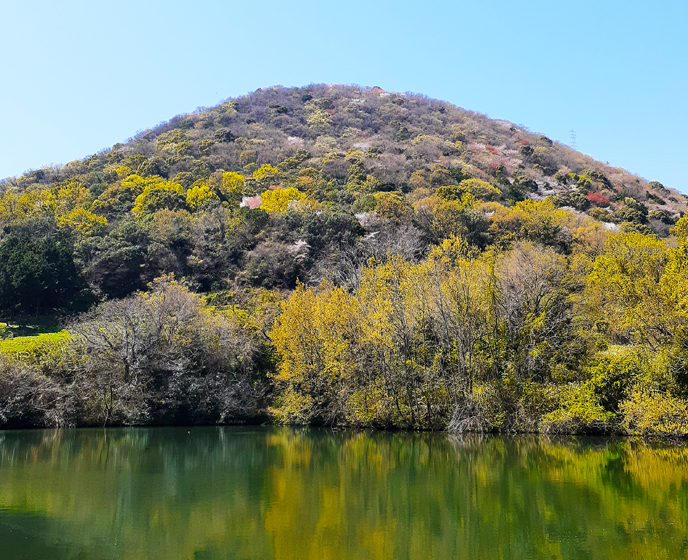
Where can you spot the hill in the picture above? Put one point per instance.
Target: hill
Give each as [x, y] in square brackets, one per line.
[344, 255]
[341, 146]
[411, 137]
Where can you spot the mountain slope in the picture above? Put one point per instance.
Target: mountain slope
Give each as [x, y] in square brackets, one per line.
[169, 199]
[409, 132]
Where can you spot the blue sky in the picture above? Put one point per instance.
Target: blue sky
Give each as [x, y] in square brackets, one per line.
[79, 76]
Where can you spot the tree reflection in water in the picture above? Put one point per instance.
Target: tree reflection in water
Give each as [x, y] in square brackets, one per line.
[285, 493]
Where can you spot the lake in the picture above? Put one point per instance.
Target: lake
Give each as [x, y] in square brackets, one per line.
[263, 493]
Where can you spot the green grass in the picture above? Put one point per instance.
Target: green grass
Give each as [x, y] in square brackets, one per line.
[30, 344]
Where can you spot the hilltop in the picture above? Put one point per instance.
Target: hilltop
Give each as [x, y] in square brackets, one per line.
[409, 140]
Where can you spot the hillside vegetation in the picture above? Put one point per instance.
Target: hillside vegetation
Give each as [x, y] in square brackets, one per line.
[339, 255]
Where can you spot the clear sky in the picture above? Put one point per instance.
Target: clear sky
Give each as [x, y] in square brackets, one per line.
[78, 76]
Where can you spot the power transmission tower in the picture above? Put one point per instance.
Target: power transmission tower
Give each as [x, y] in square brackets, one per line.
[573, 144]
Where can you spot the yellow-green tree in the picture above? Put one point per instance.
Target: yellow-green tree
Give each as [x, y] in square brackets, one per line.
[279, 200]
[82, 223]
[626, 289]
[313, 339]
[442, 219]
[159, 195]
[393, 206]
[71, 196]
[233, 186]
[199, 195]
[266, 175]
[680, 230]
[121, 196]
[481, 190]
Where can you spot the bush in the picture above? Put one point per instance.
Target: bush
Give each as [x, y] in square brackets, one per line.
[613, 375]
[45, 352]
[600, 214]
[27, 399]
[663, 216]
[652, 414]
[628, 214]
[393, 207]
[580, 412]
[597, 198]
[503, 407]
[481, 190]
[482, 411]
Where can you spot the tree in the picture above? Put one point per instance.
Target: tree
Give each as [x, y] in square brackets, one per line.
[393, 207]
[119, 198]
[37, 275]
[198, 196]
[534, 313]
[116, 264]
[441, 219]
[279, 200]
[162, 356]
[159, 195]
[82, 223]
[481, 190]
[680, 230]
[626, 289]
[232, 187]
[312, 339]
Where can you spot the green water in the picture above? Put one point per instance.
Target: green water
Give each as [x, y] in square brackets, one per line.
[210, 493]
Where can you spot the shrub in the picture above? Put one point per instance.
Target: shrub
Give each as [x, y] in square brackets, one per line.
[580, 412]
[656, 199]
[680, 230]
[199, 196]
[663, 216]
[503, 407]
[27, 399]
[482, 411]
[651, 414]
[279, 200]
[393, 207]
[481, 190]
[526, 183]
[163, 194]
[600, 214]
[613, 375]
[597, 198]
[628, 214]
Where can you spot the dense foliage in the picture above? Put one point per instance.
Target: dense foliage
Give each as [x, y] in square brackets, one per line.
[340, 255]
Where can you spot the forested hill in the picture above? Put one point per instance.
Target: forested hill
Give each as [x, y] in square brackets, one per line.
[139, 209]
[405, 140]
[344, 255]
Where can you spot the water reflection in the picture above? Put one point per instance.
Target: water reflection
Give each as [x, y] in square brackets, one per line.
[210, 493]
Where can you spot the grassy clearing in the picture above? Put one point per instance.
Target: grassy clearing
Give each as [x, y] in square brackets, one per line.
[29, 344]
